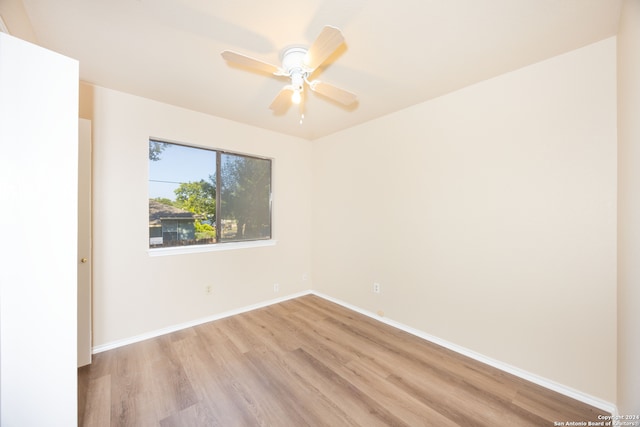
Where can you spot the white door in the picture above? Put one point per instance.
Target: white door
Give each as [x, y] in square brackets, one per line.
[84, 242]
[38, 136]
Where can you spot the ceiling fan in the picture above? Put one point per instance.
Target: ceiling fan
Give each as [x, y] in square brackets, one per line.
[298, 64]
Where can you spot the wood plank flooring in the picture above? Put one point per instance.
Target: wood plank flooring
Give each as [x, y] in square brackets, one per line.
[307, 362]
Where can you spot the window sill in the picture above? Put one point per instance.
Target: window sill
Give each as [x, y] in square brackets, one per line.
[180, 250]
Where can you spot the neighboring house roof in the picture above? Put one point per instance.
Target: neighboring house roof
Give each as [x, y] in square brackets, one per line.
[159, 211]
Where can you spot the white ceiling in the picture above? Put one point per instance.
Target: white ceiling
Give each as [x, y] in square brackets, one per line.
[397, 53]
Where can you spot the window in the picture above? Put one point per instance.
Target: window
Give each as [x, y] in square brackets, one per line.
[199, 196]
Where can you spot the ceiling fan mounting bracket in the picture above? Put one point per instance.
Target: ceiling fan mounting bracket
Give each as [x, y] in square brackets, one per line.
[293, 61]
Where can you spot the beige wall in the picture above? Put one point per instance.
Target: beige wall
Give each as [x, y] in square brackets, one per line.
[135, 293]
[629, 209]
[488, 216]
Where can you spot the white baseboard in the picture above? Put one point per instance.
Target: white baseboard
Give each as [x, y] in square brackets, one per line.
[173, 328]
[536, 379]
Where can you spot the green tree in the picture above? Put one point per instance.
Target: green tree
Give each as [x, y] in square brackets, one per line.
[205, 231]
[246, 189]
[197, 197]
[155, 150]
[164, 201]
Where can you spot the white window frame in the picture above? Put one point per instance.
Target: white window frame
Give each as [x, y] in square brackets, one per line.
[220, 245]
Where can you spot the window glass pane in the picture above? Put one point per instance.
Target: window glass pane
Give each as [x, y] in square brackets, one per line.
[245, 198]
[182, 195]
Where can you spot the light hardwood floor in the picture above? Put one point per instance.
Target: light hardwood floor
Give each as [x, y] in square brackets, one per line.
[307, 362]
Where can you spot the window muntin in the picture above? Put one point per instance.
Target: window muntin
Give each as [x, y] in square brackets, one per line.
[199, 196]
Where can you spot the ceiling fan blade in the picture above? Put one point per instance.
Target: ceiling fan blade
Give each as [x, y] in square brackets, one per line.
[282, 101]
[247, 61]
[330, 91]
[329, 39]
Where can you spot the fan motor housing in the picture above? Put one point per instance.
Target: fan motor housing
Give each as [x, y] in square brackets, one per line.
[293, 60]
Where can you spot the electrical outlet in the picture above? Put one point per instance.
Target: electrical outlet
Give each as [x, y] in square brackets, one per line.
[305, 277]
[276, 287]
[376, 287]
[208, 289]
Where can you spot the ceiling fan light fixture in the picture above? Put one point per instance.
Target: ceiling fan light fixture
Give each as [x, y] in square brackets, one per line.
[297, 83]
[296, 97]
